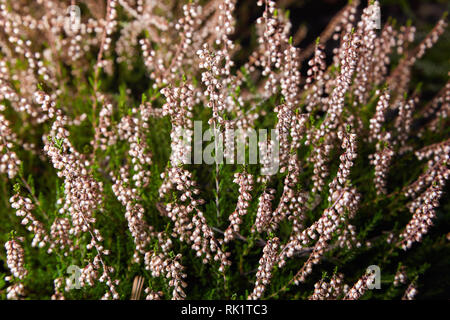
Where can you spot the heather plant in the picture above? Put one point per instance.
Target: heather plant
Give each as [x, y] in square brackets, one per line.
[100, 198]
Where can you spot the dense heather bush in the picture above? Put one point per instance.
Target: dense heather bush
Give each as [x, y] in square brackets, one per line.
[90, 151]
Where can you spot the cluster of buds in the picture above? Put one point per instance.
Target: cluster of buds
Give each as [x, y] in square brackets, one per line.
[346, 162]
[245, 182]
[190, 222]
[329, 290]
[347, 237]
[360, 287]
[269, 151]
[400, 277]
[405, 37]
[378, 119]
[153, 64]
[342, 23]
[24, 207]
[444, 110]
[110, 24]
[336, 105]
[266, 264]
[210, 78]
[404, 121]
[223, 30]
[313, 259]
[440, 101]
[82, 191]
[152, 295]
[106, 135]
[287, 204]
[401, 75]
[20, 103]
[345, 203]
[290, 78]
[90, 274]
[438, 156]
[315, 80]
[179, 105]
[422, 216]
[319, 158]
[382, 160]
[182, 53]
[11, 26]
[9, 162]
[15, 291]
[366, 32]
[143, 17]
[283, 127]
[270, 39]
[410, 292]
[131, 130]
[264, 211]
[60, 235]
[161, 265]
[382, 49]
[15, 259]
[134, 213]
[6, 91]
[348, 64]
[431, 38]
[48, 105]
[424, 205]
[82, 197]
[59, 290]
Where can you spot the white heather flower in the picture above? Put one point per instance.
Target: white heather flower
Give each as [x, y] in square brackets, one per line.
[266, 264]
[15, 259]
[245, 182]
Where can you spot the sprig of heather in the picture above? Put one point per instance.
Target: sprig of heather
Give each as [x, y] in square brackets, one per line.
[423, 206]
[134, 213]
[344, 202]
[404, 122]
[15, 259]
[360, 287]
[266, 264]
[179, 105]
[410, 292]
[331, 290]
[288, 205]
[24, 208]
[323, 136]
[399, 78]
[9, 161]
[264, 211]
[366, 32]
[378, 119]
[315, 80]
[83, 195]
[381, 160]
[400, 277]
[245, 182]
[132, 130]
[189, 221]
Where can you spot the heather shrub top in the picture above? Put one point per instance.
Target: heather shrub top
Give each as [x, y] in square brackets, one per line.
[105, 106]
